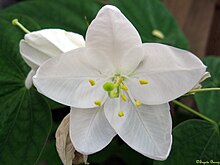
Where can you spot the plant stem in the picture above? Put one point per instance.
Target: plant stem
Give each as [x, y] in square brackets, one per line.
[193, 111]
[202, 90]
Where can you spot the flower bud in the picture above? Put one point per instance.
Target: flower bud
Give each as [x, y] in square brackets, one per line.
[39, 46]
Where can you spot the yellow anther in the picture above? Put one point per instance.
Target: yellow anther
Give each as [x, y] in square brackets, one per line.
[158, 34]
[98, 102]
[92, 82]
[120, 80]
[112, 94]
[123, 97]
[86, 20]
[143, 82]
[124, 87]
[116, 85]
[120, 113]
[137, 103]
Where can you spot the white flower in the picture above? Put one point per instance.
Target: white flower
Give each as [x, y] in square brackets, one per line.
[39, 46]
[117, 85]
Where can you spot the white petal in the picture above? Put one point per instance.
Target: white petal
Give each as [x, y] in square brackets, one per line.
[204, 77]
[146, 129]
[116, 38]
[28, 80]
[33, 57]
[89, 130]
[53, 42]
[65, 79]
[171, 72]
[41, 45]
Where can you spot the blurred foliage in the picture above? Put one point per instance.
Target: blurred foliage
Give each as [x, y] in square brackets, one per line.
[194, 141]
[208, 102]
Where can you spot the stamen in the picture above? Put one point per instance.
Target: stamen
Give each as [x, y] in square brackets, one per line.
[123, 97]
[112, 93]
[120, 80]
[15, 22]
[143, 82]
[120, 113]
[116, 85]
[137, 103]
[98, 102]
[86, 20]
[92, 82]
[158, 34]
[125, 88]
[108, 86]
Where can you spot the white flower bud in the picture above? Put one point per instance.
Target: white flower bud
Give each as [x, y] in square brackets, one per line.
[39, 46]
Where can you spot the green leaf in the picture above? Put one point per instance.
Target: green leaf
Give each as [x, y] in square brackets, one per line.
[194, 140]
[50, 155]
[25, 124]
[208, 102]
[68, 15]
[149, 15]
[25, 118]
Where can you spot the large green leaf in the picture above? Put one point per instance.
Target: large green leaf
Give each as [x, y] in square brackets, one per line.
[194, 140]
[25, 122]
[25, 118]
[149, 15]
[209, 102]
[50, 155]
[68, 15]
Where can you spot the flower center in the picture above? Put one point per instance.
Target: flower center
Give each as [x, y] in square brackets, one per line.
[118, 89]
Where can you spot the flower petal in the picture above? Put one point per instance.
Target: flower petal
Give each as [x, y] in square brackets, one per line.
[53, 42]
[33, 57]
[146, 129]
[116, 38]
[65, 79]
[89, 130]
[171, 72]
[28, 80]
[41, 45]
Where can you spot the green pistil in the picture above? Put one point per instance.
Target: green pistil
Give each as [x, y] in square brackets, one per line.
[108, 86]
[113, 88]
